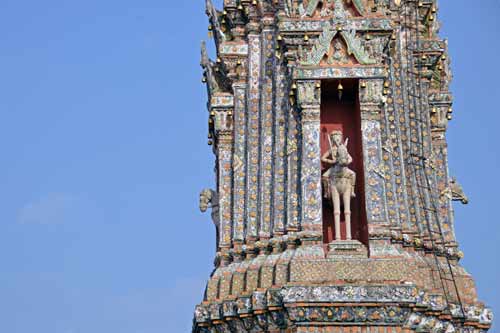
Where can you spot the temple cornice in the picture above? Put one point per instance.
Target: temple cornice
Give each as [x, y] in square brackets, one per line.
[291, 26]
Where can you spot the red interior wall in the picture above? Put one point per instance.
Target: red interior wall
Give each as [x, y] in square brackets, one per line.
[344, 114]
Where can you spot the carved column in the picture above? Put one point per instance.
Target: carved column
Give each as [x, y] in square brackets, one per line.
[371, 103]
[443, 192]
[280, 127]
[440, 104]
[309, 99]
[224, 151]
[266, 127]
[239, 162]
[293, 177]
[253, 139]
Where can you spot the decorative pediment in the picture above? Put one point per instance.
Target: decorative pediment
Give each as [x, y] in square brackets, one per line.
[338, 54]
[356, 47]
[320, 48]
[340, 9]
[337, 47]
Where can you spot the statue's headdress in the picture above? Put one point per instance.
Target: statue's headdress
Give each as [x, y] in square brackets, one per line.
[336, 132]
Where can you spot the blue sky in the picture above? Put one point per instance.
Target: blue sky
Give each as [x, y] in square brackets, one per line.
[103, 153]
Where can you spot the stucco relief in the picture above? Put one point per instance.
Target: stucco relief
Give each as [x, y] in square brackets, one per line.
[332, 48]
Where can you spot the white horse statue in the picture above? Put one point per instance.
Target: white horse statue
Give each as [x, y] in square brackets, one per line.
[339, 180]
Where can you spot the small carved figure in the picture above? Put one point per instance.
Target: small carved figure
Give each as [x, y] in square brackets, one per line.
[339, 11]
[454, 192]
[308, 93]
[457, 192]
[339, 54]
[339, 180]
[208, 199]
[375, 48]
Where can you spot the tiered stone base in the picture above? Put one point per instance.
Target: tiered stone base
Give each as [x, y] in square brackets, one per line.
[353, 309]
[337, 288]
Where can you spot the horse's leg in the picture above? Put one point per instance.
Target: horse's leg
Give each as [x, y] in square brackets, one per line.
[336, 211]
[347, 210]
[353, 185]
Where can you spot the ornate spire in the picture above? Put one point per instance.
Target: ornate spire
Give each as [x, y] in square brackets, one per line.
[349, 222]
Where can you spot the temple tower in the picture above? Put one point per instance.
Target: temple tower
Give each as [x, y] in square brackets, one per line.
[333, 200]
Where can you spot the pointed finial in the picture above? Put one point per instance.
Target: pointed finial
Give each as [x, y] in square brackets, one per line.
[204, 55]
[209, 7]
